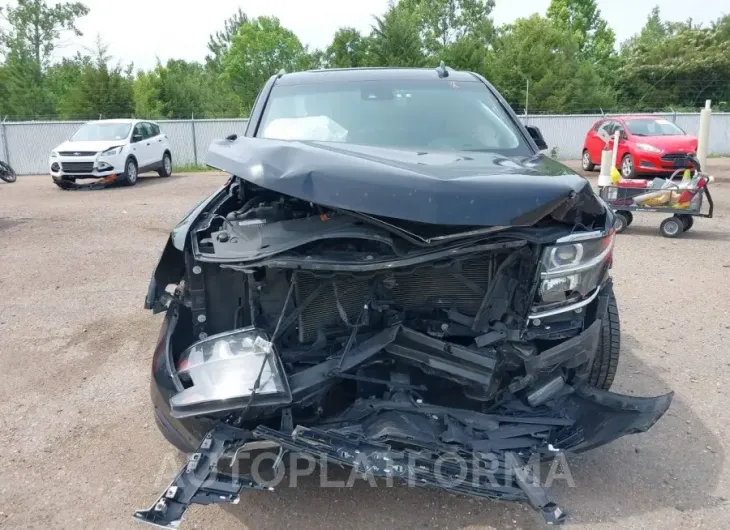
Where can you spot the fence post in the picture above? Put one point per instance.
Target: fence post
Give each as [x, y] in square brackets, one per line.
[4, 134]
[195, 141]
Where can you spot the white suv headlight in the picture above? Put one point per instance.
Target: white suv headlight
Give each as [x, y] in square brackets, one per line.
[220, 373]
[574, 267]
[113, 151]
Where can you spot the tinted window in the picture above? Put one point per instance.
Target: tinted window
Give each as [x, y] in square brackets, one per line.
[102, 132]
[656, 127]
[438, 115]
[147, 128]
[139, 131]
[155, 129]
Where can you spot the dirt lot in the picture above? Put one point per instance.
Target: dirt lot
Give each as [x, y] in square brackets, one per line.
[79, 448]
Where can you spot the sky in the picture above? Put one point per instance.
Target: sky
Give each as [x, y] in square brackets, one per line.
[140, 31]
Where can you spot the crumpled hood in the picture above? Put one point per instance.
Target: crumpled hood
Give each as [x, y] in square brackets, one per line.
[437, 187]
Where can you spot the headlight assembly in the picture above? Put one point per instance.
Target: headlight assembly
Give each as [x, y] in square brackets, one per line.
[220, 373]
[648, 148]
[574, 267]
[114, 151]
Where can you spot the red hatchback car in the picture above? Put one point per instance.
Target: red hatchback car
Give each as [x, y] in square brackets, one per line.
[648, 145]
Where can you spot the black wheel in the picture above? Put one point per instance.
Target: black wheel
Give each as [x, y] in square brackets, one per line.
[7, 173]
[166, 165]
[687, 221]
[671, 227]
[605, 363]
[629, 217]
[586, 161]
[628, 171]
[131, 172]
[621, 221]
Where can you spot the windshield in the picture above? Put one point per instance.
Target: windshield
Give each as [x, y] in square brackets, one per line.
[437, 114]
[102, 131]
[653, 128]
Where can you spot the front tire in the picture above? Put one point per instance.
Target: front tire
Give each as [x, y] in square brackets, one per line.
[586, 161]
[131, 172]
[166, 166]
[628, 170]
[672, 227]
[605, 363]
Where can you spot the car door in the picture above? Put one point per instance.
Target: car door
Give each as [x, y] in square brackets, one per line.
[596, 143]
[157, 145]
[141, 145]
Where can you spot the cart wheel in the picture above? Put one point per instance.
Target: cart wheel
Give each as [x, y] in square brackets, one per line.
[671, 227]
[621, 221]
[687, 221]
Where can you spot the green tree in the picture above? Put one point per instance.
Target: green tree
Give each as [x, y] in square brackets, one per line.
[680, 71]
[36, 27]
[220, 42]
[32, 32]
[395, 39]
[546, 54]
[443, 23]
[349, 49]
[261, 48]
[102, 89]
[589, 30]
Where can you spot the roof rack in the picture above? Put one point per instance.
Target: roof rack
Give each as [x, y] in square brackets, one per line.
[442, 71]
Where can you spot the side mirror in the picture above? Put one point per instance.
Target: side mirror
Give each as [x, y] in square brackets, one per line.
[537, 137]
[136, 138]
[623, 136]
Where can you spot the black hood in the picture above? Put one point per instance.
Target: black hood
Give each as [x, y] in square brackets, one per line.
[437, 187]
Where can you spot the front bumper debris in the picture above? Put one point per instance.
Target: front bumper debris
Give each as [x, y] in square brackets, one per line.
[98, 183]
[481, 454]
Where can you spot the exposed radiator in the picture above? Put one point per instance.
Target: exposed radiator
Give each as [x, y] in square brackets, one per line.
[460, 285]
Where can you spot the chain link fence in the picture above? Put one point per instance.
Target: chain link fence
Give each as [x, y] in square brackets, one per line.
[26, 145]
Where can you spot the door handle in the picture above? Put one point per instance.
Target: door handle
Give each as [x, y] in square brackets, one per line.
[148, 143]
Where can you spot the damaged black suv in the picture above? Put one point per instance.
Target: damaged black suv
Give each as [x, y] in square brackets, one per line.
[394, 274]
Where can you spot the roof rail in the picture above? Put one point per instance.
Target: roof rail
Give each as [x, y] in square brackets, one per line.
[442, 71]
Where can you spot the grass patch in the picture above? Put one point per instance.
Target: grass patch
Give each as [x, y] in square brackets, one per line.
[191, 168]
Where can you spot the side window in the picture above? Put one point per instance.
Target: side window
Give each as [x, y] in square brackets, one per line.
[148, 130]
[139, 133]
[608, 126]
[619, 128]
[155, 129]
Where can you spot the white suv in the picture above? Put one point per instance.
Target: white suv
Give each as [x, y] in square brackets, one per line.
[111, 150]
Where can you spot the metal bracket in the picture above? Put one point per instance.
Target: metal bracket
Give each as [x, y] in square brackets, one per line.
[198, 481]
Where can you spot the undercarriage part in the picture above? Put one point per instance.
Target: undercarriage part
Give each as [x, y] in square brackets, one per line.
[194, 483]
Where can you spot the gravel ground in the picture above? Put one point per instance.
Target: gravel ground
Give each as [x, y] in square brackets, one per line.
[79, 447]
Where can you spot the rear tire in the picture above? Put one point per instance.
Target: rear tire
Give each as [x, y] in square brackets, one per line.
[165, 166]
[131, 172]
[586, 161]
[687, 221]
[605, 363]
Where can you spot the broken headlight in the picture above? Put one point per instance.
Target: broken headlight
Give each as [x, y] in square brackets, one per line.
[573, 267]
[225, 371]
